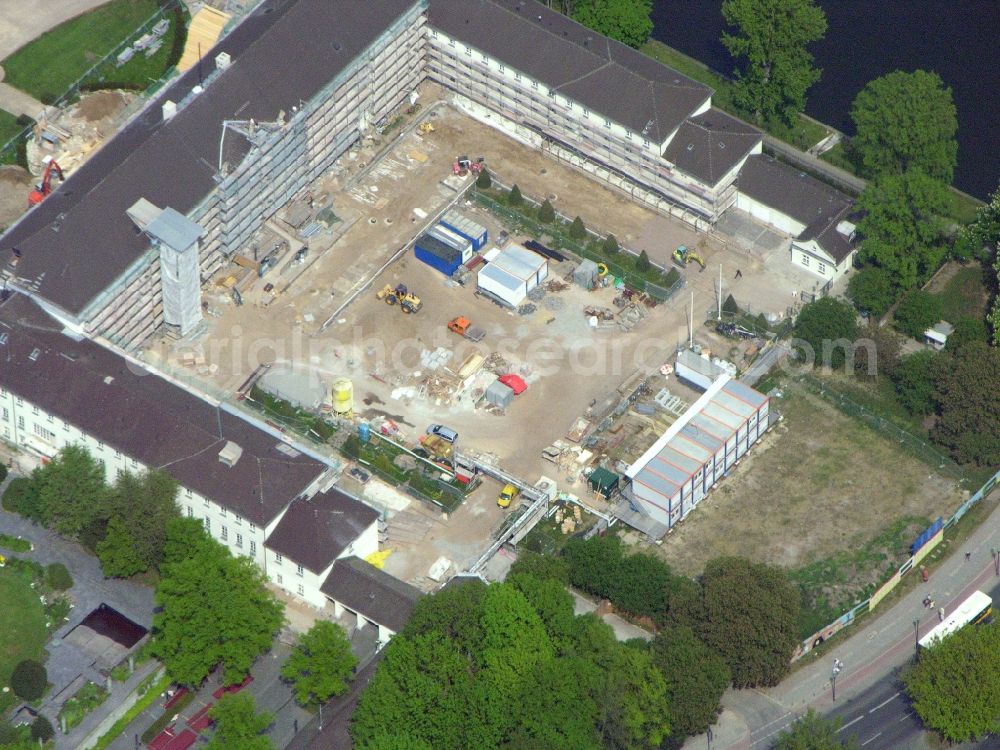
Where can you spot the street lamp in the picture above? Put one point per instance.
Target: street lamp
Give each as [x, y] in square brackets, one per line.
[996, 560]
[321, 717]
[833, 680]
[916, 637]
[710, 738]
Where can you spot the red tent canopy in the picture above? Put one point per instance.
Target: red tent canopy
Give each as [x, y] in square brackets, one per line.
[515, 383]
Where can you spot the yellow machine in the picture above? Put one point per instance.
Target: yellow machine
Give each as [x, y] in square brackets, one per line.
[683, 256]
[507, 495]
[408, 302]
[425, 128]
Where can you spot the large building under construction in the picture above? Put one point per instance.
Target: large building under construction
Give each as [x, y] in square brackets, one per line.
[123, 246]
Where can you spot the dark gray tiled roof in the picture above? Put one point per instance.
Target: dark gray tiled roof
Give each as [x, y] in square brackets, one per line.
[79, 240]
[789, 190]
[146, 417]
[371, 592]
[807, 200]
[316, 532]
[604, 75]
[710, 145]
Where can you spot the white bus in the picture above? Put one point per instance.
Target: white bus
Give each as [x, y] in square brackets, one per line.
[973, 610]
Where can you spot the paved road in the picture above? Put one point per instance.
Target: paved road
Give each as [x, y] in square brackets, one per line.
[873, 653]
[881, 718]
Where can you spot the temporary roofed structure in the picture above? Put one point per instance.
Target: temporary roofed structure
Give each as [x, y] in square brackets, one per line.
[513, 273]
[499, 394]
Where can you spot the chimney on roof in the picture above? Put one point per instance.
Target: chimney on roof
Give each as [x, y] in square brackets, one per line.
[223, 60]
[230, 454]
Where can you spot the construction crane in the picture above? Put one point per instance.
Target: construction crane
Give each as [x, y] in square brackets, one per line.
[43, 188]
[408, 302]
[683, 256]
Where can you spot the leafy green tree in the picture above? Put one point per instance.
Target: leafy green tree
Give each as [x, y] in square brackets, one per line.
[320, 664]
[634, 708]
[829, 326]
[966, 330]
[399, 739]
[750, 618]
[218, 602]
[41, 730]
[185, 537]
[917, 312]
[686, 605]
[981, 238]
[71, 489]
[21, 496]
[627, 21]
[814, 732]
[546, 214]
[872, 290]
[142, 505]
[552, 602]
[955, 687]
[117, 552]
[515, 198]
[577, 231]
[28, 680]
[906, 121]
[902, 229]
[730, 305]
[610, 246]
[877, 352]
[644, 587]
[642, 263]
[484, 181]
[696, 679]
[595, 564]
[540, 566]
[969, 422]
[771, 39]
[557, 709]
[238, 726]
[915, 381]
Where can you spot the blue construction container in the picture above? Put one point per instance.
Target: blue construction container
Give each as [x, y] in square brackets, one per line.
[465, 227]
[436, 254]
[364, 432]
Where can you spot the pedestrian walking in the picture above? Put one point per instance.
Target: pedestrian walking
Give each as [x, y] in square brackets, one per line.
[931, 604]
[739, 274]
[941, 614]
[927, 602]
[967, 556]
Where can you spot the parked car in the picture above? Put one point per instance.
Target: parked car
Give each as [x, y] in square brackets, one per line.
[445, 433]
[507, 495]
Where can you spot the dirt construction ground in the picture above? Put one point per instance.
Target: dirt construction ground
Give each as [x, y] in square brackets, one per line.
[383, 194]
[820, 482]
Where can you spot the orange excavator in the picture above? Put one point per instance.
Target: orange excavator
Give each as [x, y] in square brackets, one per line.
[43, 188]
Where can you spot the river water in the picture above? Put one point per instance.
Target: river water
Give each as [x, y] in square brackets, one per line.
[958, 39]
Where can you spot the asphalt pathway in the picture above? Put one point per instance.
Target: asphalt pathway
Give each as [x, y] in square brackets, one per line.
[874, 652]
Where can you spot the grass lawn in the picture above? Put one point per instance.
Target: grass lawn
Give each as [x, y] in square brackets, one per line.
[23, 634]
[964, 294]
[819, 484]
[46, 67]
[8, 126]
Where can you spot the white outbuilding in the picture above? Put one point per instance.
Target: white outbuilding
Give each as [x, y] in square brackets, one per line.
[513, 273]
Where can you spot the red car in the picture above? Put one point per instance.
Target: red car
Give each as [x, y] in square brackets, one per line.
[515, 383]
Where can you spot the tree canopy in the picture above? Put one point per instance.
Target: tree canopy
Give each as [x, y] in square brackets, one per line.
[902, 230]
[814, 732]
[627, 21]
[873, 290]
[750, 618]
[238, 726]
[969, 422]
[829, 327]
[320, 664]
[915, 381]
[981, 238]
[955, 686]
[507, 665]
[696, 679]
[214, 601]
[918, 311]
[771, 40]
[70, 490]
[906, 121]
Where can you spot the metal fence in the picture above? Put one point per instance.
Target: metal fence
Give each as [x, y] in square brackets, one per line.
[914, 445]
[880, 593]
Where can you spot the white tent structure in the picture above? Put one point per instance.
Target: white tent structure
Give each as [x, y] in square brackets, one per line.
[513, 273]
